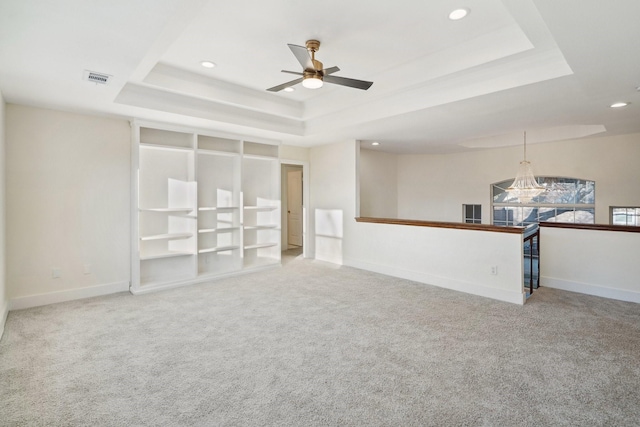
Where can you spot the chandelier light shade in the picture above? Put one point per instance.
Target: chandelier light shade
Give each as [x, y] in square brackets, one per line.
[525, 187]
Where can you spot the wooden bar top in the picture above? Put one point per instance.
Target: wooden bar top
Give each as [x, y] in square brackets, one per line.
[443, 224]
[600, 227]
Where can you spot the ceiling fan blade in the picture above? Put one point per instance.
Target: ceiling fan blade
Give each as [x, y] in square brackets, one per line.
[330, 70]
[302, 55]
[285, 85]
[293, 72]
[358, 84]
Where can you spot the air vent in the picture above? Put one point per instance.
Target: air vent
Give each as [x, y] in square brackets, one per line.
[98, 78]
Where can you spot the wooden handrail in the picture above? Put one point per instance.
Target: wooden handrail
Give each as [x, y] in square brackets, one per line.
[443, 224]
[600, 227]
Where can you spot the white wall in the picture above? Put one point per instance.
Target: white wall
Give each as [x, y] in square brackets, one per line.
[68, 192]
[290, 152]
[449, 258]
[595, 262]
[4, 298]
[461, 260]
[378, 184]
[434, 187]
[333, 190]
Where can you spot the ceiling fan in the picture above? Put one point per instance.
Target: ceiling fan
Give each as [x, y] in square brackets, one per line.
[313, 75]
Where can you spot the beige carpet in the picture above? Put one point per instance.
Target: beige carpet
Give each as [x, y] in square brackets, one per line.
[311, 344]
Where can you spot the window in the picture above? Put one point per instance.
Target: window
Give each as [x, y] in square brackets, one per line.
[566, 200]
[472, 214]
[625, 216]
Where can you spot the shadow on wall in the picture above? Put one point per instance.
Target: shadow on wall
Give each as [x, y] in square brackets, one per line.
[329, 233]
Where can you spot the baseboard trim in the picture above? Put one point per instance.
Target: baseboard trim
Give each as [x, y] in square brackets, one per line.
[3, 317]
[590, 289]
[442, 282]
[202, 279]
[67, 295]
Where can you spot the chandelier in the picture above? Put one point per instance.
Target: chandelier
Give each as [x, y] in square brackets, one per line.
[525, 187]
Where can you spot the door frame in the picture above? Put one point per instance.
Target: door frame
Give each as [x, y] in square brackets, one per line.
[305, 201]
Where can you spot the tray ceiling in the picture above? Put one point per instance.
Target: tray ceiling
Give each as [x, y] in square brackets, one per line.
[551, 68]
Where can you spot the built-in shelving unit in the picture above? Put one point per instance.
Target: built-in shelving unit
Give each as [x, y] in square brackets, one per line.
[219, 228]
[166, 206]
[204, 206]
[261, 202]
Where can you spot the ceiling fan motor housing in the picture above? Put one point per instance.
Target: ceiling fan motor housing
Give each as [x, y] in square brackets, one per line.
[313, 72]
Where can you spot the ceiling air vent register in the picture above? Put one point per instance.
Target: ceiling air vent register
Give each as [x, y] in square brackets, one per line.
[98, 78]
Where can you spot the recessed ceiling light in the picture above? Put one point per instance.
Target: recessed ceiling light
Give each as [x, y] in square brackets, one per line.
[207, 64]
[458, 14]
[620, 104]
[289, 89]
[375, 143]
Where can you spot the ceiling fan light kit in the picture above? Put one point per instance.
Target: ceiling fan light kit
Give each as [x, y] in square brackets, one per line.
[312, 81]
[313, 74]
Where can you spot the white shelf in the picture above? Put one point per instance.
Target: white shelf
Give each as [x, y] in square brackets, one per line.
[260, 245]
[258, 157]
[219, 230]
[167, 210]
[260, 208]
[217, 153]
[218, 249]
[164, 255]
[260, 227]
[165, 147]
[168, 236]
[218, 208]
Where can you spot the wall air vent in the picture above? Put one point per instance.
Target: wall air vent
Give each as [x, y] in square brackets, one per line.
[98, 78]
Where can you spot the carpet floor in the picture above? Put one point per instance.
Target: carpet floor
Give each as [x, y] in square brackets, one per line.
[312, 344]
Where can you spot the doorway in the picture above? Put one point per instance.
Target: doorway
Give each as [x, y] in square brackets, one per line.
[293, 197]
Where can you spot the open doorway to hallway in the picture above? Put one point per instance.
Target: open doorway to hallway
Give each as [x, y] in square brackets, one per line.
[293, 212]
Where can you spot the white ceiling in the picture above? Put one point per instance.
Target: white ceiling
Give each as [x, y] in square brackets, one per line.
[549, 67]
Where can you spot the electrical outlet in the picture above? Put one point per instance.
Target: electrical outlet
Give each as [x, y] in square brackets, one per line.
[55, 273]
[494, 270]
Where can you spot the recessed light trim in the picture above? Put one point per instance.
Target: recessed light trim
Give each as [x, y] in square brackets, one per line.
[289, 89]
[619, 104]
[375, 143]
[208, 64]
[458, 14]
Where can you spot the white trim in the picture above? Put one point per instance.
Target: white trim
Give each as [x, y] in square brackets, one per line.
[68, 295]
[134, 243]
[442, 282]
[3, 318]
[306, 249]
[141, 290]
[590, 289]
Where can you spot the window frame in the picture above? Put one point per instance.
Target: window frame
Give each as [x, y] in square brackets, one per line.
[477, 208]
[591, 207]
[636, 215]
